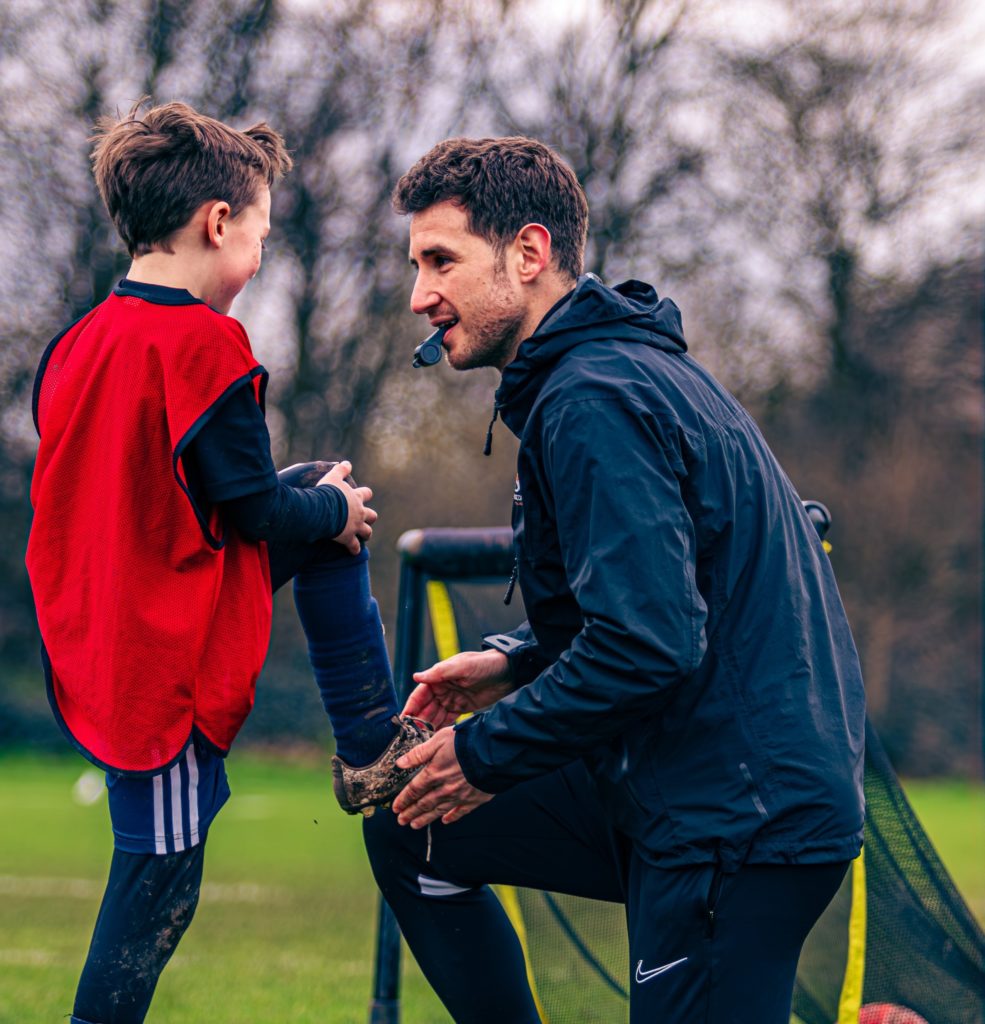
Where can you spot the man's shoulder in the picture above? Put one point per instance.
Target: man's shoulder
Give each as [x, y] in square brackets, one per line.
[605, 370]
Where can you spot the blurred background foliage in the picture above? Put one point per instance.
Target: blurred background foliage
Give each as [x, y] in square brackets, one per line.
[801, 176]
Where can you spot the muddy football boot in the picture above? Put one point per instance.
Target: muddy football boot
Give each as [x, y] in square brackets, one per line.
[375, 785]
[307, 474]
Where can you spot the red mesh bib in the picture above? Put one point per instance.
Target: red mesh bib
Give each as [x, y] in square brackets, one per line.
[153, 621]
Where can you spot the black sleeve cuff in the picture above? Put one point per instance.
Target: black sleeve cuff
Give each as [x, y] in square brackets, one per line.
[470, 766]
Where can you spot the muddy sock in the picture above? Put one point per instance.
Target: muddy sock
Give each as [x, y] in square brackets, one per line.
[149, 902]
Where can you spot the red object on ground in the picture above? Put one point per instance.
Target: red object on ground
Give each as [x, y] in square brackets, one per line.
[888, 1013]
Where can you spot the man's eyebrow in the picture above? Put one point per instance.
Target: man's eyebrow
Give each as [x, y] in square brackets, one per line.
[433, 250]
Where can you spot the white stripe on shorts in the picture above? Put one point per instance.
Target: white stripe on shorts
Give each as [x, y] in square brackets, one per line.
[178, 833]
[437, 887]
[192, 798]
[160, 841]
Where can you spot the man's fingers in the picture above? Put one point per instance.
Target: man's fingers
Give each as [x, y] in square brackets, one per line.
[440, 672]
[417, 702]
[418, 755]
[429, 808]
[411, 794]
[421, 704]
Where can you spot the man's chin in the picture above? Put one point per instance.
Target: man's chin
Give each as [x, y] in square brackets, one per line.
[464, 358]
[461, 359]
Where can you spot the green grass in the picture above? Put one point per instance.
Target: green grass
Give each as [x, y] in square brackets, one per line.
[286, 925]
[284, 931]
[953, 815]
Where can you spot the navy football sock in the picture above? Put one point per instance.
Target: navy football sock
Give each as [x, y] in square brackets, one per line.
[341, 621]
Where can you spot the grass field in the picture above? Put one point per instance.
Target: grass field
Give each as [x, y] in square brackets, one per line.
[284, 932]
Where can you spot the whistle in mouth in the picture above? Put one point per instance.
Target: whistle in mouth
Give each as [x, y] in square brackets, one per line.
[429, 351]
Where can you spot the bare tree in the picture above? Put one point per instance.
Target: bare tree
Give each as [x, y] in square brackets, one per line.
[851, 141]
[797, 189]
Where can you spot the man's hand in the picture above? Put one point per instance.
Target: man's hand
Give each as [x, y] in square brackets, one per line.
[359, 524]
[469, 681]
[439, 789]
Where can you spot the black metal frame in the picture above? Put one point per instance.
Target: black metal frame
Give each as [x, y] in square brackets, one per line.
[474, 554]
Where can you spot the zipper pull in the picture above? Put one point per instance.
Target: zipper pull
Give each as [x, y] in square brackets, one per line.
[511, 586]
[487, 447]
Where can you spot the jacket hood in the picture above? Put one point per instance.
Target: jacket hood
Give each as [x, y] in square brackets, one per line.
[592, 311]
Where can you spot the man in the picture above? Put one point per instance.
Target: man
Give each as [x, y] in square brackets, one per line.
[679, 724]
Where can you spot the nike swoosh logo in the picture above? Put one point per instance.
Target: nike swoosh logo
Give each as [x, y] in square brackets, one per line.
[642, 975]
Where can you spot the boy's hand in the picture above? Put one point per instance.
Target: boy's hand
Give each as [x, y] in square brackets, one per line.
[469, 681]
[359, 525]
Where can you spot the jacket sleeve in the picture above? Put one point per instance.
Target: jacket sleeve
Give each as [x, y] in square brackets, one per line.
[522, 652]
[613, 476]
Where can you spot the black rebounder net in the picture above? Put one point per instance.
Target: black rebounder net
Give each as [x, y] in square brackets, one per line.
[897, 937]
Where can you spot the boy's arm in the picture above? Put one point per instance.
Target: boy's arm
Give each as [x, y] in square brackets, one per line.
[229, 463]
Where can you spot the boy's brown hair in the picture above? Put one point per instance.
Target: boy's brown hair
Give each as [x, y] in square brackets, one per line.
[503, 184]
[155, 169]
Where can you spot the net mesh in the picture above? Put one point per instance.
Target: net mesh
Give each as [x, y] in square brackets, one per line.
[923, 949]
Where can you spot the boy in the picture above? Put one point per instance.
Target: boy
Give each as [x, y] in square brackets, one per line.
[161, 529]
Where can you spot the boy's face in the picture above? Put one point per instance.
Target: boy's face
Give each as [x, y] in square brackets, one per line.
[239, 258]
[462, 280]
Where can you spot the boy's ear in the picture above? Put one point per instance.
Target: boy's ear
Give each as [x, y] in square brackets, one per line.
[217, 217]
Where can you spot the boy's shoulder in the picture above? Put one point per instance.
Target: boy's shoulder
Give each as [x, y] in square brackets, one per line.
[164, 304]
[137, 320]
[169, 321]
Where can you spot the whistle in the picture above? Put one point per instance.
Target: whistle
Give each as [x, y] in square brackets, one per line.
[429, 351]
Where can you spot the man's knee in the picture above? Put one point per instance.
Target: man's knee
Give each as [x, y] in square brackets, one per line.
[392, 848]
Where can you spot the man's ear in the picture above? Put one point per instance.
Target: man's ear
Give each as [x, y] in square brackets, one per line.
[216, 220]
[533, 251]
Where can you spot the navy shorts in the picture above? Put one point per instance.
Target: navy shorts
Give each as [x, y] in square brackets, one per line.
[171, 811]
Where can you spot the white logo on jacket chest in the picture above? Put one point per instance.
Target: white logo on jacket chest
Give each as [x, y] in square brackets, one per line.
[517, 496]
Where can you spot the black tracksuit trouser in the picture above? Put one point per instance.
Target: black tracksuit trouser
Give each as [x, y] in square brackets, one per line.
[705, 946]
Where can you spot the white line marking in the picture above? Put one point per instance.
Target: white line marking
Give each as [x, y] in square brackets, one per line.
[89, 889]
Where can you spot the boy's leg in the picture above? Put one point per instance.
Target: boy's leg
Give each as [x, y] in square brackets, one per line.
[349, 659]
[708, 947]
[159, 827]
[549, 833]
[149, 902]
[347, 650]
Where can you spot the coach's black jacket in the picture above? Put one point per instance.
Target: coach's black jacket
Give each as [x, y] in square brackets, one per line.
[685, 633]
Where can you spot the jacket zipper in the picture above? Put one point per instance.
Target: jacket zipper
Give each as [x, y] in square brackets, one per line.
[511, 586]
[487, 447]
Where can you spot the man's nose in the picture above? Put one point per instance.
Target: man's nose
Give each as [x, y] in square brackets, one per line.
[423, 297]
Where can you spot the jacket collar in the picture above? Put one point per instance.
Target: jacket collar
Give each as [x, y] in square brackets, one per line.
[631, 311]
